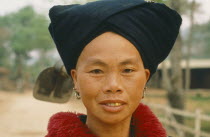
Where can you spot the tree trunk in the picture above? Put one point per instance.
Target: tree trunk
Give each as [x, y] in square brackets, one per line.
[165, 78]
[19, 72]
[189, 45]
[176, 92]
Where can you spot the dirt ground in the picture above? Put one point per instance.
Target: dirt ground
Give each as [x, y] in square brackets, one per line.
[23, 116]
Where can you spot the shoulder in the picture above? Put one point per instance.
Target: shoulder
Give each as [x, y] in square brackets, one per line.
[60, 122]
[67, 124]
[146, 123]
[62, 118]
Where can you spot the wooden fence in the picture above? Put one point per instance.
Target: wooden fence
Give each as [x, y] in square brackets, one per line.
[169, 120]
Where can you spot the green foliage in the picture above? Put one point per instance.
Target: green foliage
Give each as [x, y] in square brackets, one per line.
[21, 33]
[28, 31]
[162, 1]
[4, 37]
[182, 6]
[201, 40]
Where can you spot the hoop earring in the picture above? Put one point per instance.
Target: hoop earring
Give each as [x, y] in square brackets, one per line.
[77, 93]
[144, 92]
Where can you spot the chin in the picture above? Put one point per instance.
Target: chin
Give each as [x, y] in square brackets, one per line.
[114, 118]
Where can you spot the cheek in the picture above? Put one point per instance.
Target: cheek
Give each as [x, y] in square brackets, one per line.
[87, 87]
[135, 95]
[135, 88]
[136, 83]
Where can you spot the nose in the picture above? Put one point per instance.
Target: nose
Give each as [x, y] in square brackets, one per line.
[113, 84]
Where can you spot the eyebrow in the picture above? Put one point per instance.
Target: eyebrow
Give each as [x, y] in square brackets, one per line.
[102, 63]
[128, 61]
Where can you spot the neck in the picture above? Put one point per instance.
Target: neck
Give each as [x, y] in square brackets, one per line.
[102, 129]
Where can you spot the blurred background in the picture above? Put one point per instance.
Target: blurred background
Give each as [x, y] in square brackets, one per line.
[179, 93]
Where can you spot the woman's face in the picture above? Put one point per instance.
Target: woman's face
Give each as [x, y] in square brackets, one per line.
[110, 78]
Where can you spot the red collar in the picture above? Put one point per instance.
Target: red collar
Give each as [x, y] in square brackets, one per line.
[67, 124]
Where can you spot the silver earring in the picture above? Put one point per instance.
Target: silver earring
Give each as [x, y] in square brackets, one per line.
[76, 93]
[144, 92]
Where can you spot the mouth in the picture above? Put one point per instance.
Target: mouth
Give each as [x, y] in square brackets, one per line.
[112, 102]
[113, 106]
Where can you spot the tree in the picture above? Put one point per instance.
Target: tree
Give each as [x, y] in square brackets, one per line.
[4, 37]
[201, 39]
[28, 31]
[172, 81]
[193, 7]
[175, 88]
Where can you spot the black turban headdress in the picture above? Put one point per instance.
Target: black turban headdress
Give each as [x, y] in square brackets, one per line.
[151, 27]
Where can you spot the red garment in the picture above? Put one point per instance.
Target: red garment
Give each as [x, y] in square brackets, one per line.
[67, 124]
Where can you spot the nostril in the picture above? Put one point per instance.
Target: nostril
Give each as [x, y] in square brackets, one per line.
[109, 91]
[118, 90]
[113, 91]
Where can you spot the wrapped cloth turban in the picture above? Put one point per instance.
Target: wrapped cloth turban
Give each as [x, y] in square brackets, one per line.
[151, 27]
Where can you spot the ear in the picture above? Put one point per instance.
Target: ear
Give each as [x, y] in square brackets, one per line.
[147, 73]
[74, 76]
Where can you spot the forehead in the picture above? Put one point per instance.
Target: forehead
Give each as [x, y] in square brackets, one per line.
[109, 46]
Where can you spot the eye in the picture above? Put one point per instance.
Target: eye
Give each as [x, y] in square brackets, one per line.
[128, 70]
[96, 71]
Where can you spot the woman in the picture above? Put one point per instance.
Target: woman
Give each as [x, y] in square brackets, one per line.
[111, 49]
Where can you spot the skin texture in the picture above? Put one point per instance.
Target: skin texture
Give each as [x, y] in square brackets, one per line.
[110, 70]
